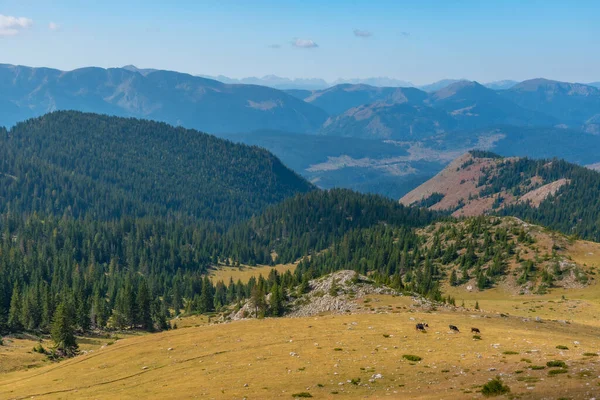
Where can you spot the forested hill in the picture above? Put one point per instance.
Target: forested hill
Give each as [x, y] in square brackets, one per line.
[553, 193]
[107, 167]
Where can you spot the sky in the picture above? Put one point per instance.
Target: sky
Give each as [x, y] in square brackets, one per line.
[417, 41]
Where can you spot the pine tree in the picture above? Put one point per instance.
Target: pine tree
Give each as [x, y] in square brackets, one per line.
[14, 312]
[476, 305]
[276, 300]
[63, 331]
[143, 317]
[257, 300]
[207, 297]
[453, 278]
[177, 300]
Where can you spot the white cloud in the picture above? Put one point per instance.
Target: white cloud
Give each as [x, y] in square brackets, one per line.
[53, 26]
[304, 43]
[363, 34]
[11, 26]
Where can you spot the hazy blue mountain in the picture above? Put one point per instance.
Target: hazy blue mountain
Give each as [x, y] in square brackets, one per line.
[176, 98]
[143, 71]
[341, 98]
[572, 104]
[500, 85]
[475, 106]
[396, 121]
[378, 81]
[432, 87]
[274, 81]
[594, 84]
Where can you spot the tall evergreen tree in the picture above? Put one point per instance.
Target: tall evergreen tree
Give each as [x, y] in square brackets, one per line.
[63, 330]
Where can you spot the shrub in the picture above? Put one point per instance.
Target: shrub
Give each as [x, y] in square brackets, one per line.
[510, 352]
[39, 349]
[553, 372]
[302, 395]
[537, 367]
[411, 357]
[585, 354]
[355, 381]
[495, 387]
[385, 335]
[338, 349]
[527, 360]
[556, 363]
[476, 337]
[561, 347]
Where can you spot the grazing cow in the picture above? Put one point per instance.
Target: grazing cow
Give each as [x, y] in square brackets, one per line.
[475, 330]
[453, 328]
[421, 327]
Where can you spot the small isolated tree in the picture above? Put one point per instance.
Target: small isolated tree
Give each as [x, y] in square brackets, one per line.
[333, 290]
[257, 300]
[453, 278]
[476, 305]
[63, 330]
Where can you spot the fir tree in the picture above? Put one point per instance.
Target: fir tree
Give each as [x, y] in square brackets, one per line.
[14, 313]
[63, 331]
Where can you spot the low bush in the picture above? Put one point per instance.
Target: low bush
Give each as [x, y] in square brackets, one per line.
[476, 337]
[411, 357]
[302, 395]
[510, 352]
[495, 387]
[537, 367]
[561, 347]
[553, 372]
[556, 363]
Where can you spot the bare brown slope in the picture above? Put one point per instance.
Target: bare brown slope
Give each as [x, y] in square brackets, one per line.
[459, 183]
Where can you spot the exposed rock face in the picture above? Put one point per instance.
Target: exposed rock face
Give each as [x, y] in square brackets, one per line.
[320, 299]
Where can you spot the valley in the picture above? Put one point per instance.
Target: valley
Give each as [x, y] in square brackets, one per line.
[293, 200]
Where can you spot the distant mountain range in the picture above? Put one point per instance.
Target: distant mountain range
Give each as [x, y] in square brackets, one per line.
[402, 135]
[176, 98]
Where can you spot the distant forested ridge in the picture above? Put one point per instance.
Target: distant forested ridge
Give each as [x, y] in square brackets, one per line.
[574, 209]
[76, 164]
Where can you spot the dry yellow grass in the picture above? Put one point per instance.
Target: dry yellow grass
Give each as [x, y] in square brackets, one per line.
[17, 352]
[275, 358]
[244, 273]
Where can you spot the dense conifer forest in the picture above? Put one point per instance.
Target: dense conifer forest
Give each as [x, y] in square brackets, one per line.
[573, 210]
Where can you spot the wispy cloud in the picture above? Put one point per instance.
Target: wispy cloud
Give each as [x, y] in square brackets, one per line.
[362, 34]
[304, 43]
[405, 34]
[11, 26]
[53, 26]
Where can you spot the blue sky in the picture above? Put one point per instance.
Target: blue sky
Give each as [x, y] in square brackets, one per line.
[418, 41]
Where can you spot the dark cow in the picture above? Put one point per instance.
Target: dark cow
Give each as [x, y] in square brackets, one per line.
[475, 330]
[453, 328]
[421, 327]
